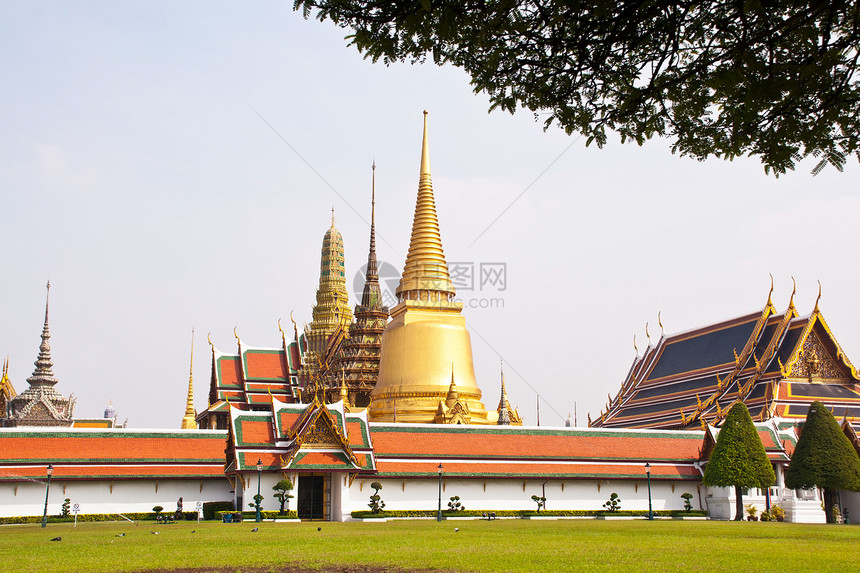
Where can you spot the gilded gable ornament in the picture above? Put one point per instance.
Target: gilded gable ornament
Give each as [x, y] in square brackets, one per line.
[815, 363]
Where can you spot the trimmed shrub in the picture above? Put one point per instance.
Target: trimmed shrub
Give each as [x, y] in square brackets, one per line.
[212, 509]
[739, 458]
[823, 457]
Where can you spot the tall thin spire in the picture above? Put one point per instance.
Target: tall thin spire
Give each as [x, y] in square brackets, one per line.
[188, 421]
[43, 375]
[425, 269]
[504, 404]
[371, 296]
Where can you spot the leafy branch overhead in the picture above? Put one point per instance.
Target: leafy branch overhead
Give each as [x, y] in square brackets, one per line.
[775, 80]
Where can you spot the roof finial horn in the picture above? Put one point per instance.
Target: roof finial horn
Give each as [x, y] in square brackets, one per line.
[818, 298]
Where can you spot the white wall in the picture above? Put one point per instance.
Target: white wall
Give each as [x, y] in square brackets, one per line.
[515, 494]
[124, 496]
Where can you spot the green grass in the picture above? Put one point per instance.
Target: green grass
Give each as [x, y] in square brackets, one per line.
[503, 545]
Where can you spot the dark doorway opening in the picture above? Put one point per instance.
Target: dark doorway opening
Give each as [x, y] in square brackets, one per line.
[311, 502]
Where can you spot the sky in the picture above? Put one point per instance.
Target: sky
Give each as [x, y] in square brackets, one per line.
[171, 166]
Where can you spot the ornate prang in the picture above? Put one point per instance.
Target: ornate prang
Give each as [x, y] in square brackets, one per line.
[358, 360]
[41, 404]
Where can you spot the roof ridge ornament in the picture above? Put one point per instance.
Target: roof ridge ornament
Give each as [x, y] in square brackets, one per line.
[818, 298]
[660, 322]
[770, 293]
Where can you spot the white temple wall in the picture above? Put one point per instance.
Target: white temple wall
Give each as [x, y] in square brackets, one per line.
[515, 494]
[805, 508]
[105, 496]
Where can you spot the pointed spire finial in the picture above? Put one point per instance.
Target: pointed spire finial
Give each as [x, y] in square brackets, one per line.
[43, 375]
[818, 298]
[425, 149]
[769, 294]
[332, 215]
[188, 421]
[426, 272]
[793, 291]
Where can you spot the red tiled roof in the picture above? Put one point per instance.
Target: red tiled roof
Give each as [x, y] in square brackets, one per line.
[114, 446]
[255, 432]
[265, 364]
[391, 441]
[231, 371]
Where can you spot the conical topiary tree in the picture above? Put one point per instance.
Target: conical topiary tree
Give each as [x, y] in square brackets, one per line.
[739, 458]
[823, 458]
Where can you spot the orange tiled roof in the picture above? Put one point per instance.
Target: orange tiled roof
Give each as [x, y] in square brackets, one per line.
[407, 440]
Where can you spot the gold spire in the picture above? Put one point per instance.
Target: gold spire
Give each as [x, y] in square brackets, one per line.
[427, 332]
[188, 422]
[426, 272]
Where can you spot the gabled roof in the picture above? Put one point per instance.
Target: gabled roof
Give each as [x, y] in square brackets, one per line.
[301, 437]
[690, 379]
[252, 374]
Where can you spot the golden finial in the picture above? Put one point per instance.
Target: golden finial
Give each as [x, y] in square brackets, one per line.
[425, 268]
[332, 215]
[188, 421]
[425, 150]
[634, 345]
[660, 322]
[236, 334]
[769, 294]
[793, 290]
[281, 329]
[209, 338]
[815, 310]
[648, 336]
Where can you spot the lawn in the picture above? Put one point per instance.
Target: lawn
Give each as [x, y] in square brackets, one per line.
[503, 545]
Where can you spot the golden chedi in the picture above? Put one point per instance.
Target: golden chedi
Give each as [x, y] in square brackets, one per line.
[426, 349]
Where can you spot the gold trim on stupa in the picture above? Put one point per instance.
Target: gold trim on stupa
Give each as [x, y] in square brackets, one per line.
[427, 333]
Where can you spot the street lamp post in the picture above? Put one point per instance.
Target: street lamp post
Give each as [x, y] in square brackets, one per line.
[50, 470]
[439, 512]
[257, 499]
[648, 473]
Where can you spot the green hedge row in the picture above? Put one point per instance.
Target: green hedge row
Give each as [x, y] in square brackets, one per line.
[526, 513]
[265, 514]
[81, 518]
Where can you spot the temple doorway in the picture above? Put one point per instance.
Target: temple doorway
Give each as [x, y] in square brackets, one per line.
[313, 497]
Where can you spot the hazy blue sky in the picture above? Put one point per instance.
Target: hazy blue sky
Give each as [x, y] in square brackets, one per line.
[137, 174]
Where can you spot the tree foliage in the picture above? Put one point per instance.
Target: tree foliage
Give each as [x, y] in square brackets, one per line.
[776, 80]
[282, 489]
[823, 457]
[739, 458]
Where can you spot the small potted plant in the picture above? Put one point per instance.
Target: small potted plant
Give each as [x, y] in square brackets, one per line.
[777, 513]
[752, 512]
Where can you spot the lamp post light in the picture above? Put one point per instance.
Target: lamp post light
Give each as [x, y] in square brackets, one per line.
[439, 512]
[257, 499]
[49, 471]
[648, 473]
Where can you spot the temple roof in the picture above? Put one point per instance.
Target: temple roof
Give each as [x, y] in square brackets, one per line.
[415, 450]
[776, 363]
[93, 453]
[300, 437]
